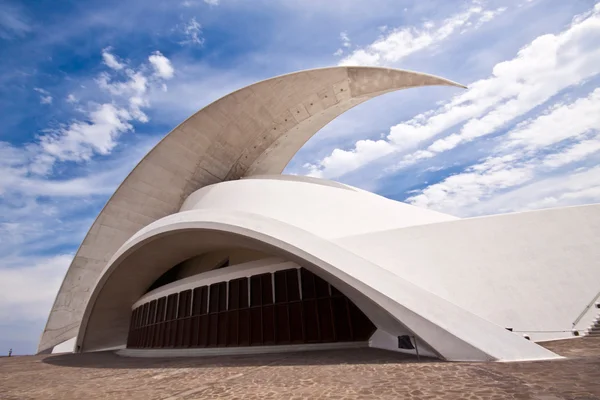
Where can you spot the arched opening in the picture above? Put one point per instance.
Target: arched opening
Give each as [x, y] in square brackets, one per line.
[290, 306]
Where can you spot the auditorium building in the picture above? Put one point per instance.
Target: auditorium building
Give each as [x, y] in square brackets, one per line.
[206, 248]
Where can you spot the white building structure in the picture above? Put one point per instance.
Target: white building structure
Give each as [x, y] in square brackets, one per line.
[206, 248]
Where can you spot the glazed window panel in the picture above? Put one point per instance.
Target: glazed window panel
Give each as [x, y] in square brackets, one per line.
[222, 329]
[213, 330]
[160, 309]
[341, 319]
[311, 323]
[244, 328]
[200, 302]
[266, 289]
[255, 291]
[213, 303]
[204, 330]
[243, 292]
[234, 294]
[233, 328]
[296, 323]
[185, 306]
[308, 284]
[280, 287]
[282, 321]
[321, 287]
[293, 285]
[325, 320]
[152, 313]
[255, 326]
[222, 296]
[268, 324]
[262, 310]
[172, 306]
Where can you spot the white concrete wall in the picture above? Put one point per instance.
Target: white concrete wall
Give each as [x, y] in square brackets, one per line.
[533, 271]
[329, 211]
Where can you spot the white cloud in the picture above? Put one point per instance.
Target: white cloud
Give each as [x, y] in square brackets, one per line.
[212, 2]
[45, 97]
[79, 140]
[111, 61]
[565, 134]
[192, 31]
[341, 160]
[541, 70]
[398, 43]
[71, 98]
[162, 65]
[345, 39]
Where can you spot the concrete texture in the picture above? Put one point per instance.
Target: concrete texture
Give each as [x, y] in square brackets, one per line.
[255, 130]
[360, 374]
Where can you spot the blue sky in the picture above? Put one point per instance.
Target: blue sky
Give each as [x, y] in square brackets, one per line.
[87, 88]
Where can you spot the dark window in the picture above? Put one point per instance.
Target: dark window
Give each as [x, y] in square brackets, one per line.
[255, 326]
[322, 287]
[233, 328]
[255, 291]
[172, 306]
[267, 289]
[222, 315]
[308, 284]
[160, 309]
[268, 323]
[311, 323]
[234, 294]
[280, 287]
[293, 287]
[184, 307]
[244, 328]
[200, 304]
[166, 278]
[213, 304]
[222, 296]
[243, 292]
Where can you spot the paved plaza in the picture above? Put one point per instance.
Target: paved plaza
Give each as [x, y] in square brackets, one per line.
[340, 374]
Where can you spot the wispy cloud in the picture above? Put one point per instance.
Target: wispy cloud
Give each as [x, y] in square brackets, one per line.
[110, 60]
[45, 97]
[13, 23]
[564, 134]
[398, 43]
[192, 31]
[542, 69]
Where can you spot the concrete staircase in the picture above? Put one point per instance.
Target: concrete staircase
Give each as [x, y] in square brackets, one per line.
[594, 330]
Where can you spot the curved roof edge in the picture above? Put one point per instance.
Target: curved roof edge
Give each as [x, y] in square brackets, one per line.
[254, 130]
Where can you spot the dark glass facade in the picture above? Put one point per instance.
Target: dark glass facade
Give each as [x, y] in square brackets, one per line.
[293, 306]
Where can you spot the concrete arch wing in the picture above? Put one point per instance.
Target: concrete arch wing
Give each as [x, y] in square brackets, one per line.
[255, 130]
[447, 329]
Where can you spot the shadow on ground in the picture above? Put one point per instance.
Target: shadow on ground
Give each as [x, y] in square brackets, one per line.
[109, 359]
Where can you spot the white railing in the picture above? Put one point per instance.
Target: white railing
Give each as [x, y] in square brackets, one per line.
[585, 310]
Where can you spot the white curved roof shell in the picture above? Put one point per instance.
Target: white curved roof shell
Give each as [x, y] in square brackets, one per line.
[255, 130]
